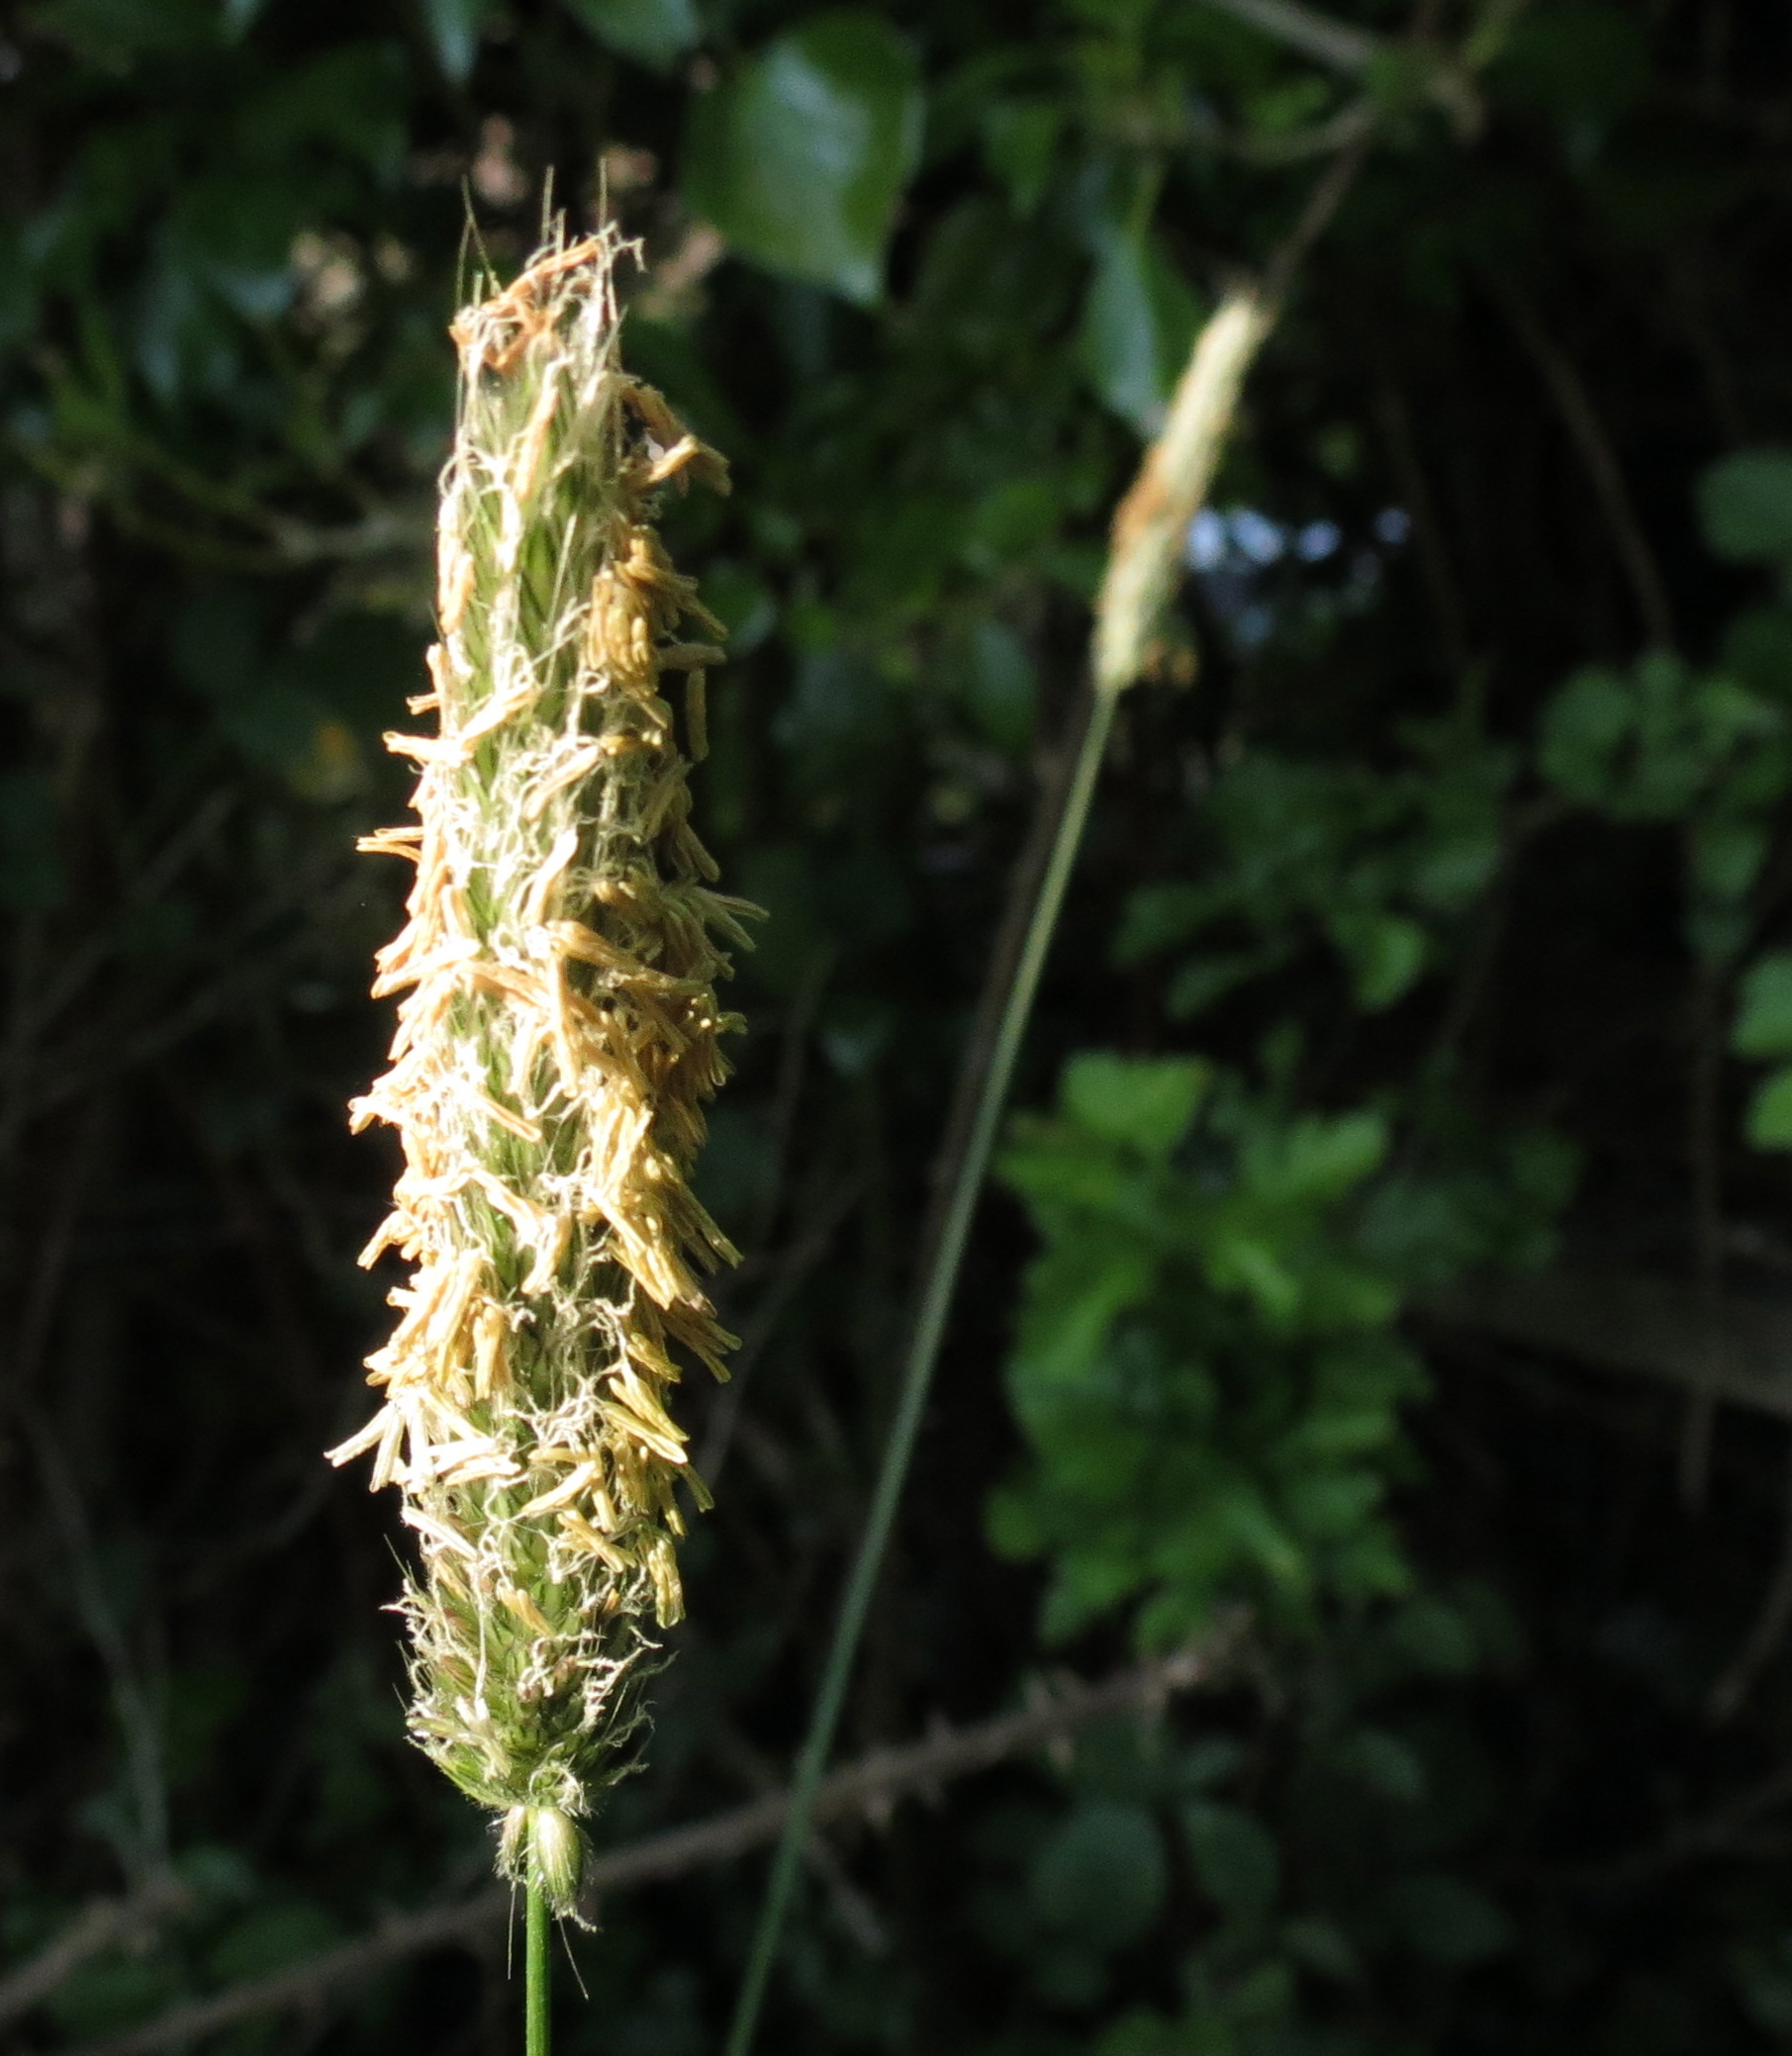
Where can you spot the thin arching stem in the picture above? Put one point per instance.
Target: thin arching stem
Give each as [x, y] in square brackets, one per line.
[1149, 527]
[917, 1372]
[1146, 537]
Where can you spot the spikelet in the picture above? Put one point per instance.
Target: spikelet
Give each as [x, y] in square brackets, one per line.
[559, 1038]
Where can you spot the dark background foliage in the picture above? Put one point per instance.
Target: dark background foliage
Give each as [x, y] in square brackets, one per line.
[1422, 1152]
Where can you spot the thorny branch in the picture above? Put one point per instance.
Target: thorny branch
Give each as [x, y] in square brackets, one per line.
[868, 1789]
[101, 1925]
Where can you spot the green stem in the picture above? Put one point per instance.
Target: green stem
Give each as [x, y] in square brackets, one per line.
[1149, 529]
[536, 1972]
[917, 1375]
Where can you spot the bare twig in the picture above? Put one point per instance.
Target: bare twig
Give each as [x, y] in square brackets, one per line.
[1335, 44]
[101, 1925]
[134, 1702]
[1719, 1833]
[851, 1907]
[793, 1266]
[1427, 532]
[787, 1098]
[149, 884]
[1763, 1638]
[1703, 1148]
[866, 1789]
[1594, 448]
[1343, 47]
[1636, 1322]
[1296, 146]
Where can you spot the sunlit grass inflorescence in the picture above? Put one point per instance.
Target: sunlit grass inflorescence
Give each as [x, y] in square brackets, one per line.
[558, 1040]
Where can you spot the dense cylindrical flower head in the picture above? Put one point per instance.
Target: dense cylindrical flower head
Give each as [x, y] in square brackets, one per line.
[559, 1038]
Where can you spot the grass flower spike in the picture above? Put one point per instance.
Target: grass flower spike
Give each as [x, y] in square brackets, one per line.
[557, 1044]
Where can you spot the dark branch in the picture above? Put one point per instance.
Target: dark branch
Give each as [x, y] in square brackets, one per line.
[867, 1789]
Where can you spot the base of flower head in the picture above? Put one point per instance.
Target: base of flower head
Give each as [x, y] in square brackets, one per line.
[524, 1721]
[542, 1848]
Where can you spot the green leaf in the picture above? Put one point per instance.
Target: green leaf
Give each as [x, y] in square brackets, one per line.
[454, 28]
[1158, 915]
[1144, 1105]
[1578, 59]
[1317, 1943]
[800, 157]
[1727, 857]
[1138, 324]
[269, 1937]
[1240, 1260]
[1383, 1764]
[1584, 725]
[1435, 1637]
[1234, 1859]
[1398, 76]
[111, 34]
[1746, 506]
[1764, 1026]
[1448, 1920]
[1642, 745]
[1769, 1122]
[1204, 979]
[111, 1992]
[31, 867]
[1013, 1524]
[1075, 1308]
[1101, 1876]
[1764, 1977]
[1385, 952]
[1756, 650]
[652, 32]
[1019, 139]
[993, 679]
[1316, 1158]
[1142, 2033]
[746, 605]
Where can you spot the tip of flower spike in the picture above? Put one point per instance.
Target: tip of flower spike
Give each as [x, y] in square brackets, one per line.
[542, 1846]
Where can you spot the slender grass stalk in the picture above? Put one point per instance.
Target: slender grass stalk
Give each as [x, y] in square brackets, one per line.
[559, 1039]
[537, 2018]
[1148, 531]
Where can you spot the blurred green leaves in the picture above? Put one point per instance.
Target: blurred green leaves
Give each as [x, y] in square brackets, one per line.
[652, 32]
[1663, 744]
[1648, 743]
[1145, 1107]
[1745, 506]
[1203, 1372]
[1138, 324]
[1764, 1029]
[1383, 865]
[1234, 1857]
[454, 28]
[32, 877]
[307, 709]
[1447, 1919]
[113, 34]
[801, 156]
[1100, 1877]
[223, 284]
[1582, 61]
